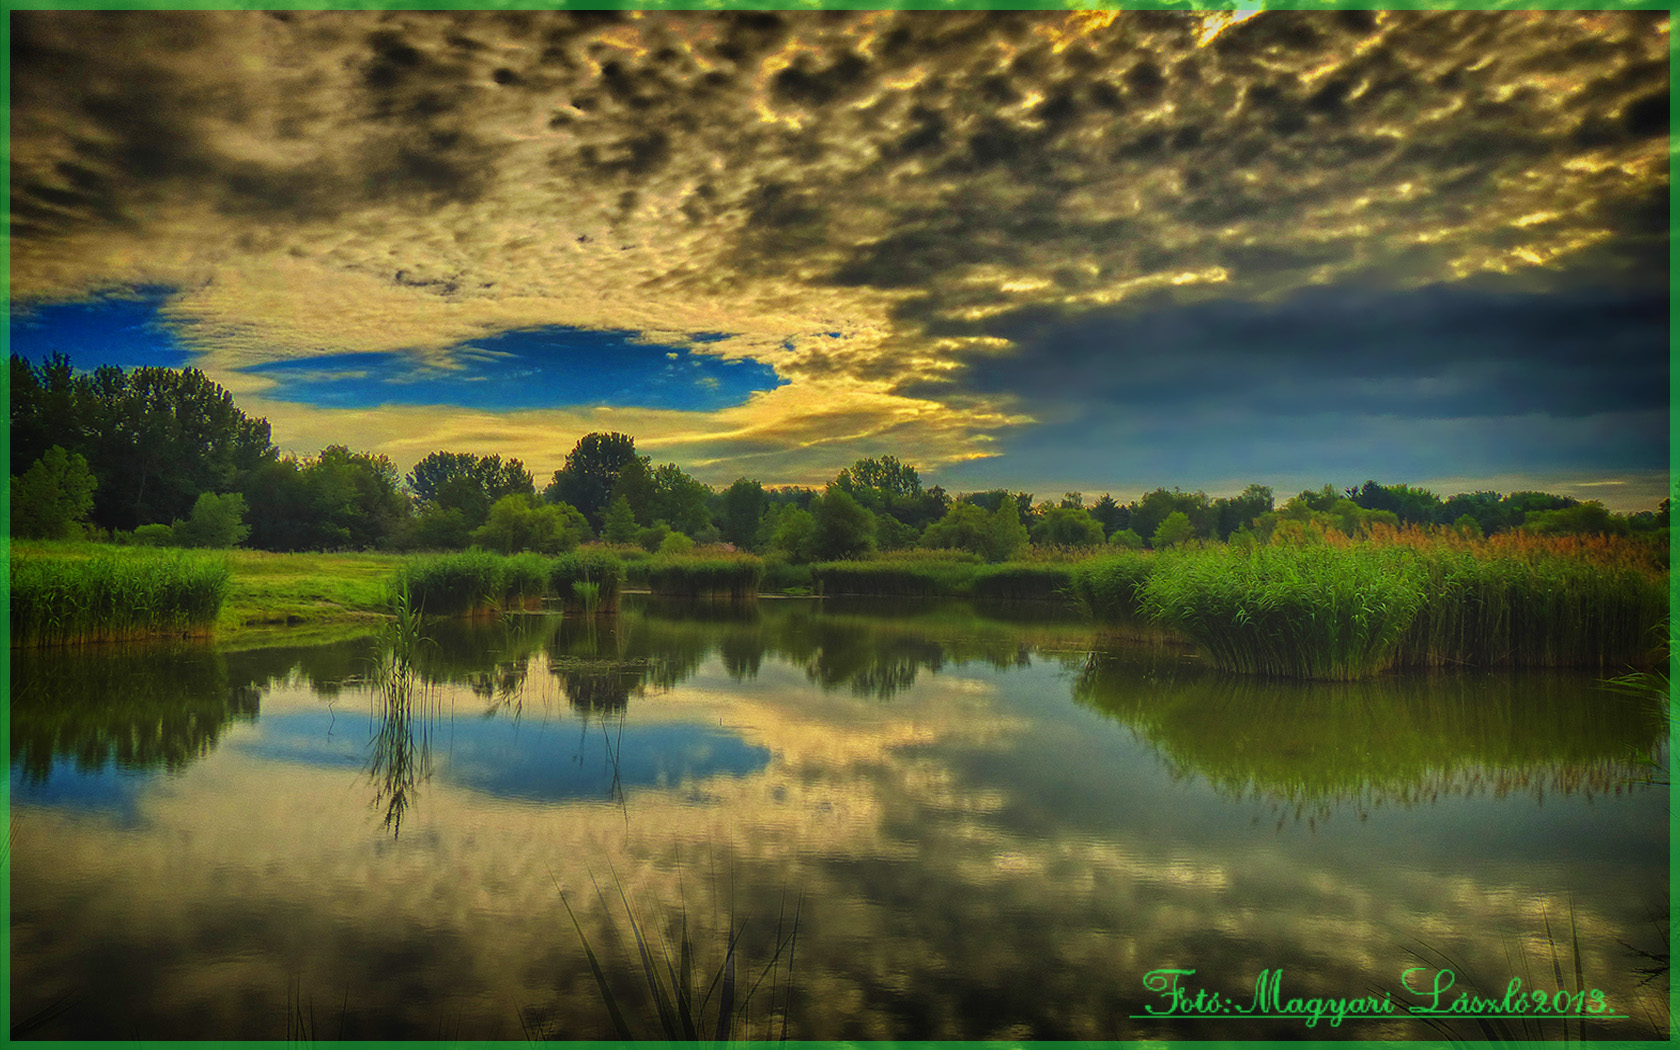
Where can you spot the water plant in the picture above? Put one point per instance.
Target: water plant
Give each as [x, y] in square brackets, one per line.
[734, 576]
[137, 593]
[400, 751]
[455, 584]
[600, 569]
[1106, 588]
[688, 1005]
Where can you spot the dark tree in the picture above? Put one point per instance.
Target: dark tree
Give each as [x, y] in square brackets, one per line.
[591, 471]
[744, 503]
[468, 483]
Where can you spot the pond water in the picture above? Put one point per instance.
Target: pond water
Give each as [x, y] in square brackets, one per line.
[956, 823]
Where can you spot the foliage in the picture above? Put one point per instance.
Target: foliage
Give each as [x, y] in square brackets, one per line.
[1174, 529]
[1112, 516]
[1126, 538]
[524, 523]
[154, 437]
[1004, 534]
[112, 596]
[53, 497]
[1016, 581]
[843, 528]
[217, 521]
[679, 500]
[618, 525]
[591, 472]
[744, 504]
[1069, 527]
[468, 483]
[339, 499]
[592, 565]
[157, 534]
[676, 543]
[962, 528]
[1106, 587]
[653, 537]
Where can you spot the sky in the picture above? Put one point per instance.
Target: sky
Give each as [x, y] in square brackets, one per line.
[1093, 251]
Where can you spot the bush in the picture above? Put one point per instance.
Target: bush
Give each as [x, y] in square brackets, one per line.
[600, 568]
[216, 521]
[156, 534]
[53, 497]
[676, 543]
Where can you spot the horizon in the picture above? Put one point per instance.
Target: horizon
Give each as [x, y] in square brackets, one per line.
[1044, 252]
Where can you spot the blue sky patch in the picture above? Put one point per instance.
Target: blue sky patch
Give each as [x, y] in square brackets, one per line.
[551, 367]
[125, 332]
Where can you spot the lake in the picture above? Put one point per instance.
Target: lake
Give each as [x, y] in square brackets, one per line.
[956, 822]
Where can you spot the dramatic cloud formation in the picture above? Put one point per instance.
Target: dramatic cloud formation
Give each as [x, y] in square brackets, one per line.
[1093, 250]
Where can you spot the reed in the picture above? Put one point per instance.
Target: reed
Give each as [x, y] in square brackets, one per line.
[783, 577]
[68, 600]
[1290, 612]
[602, 569]
[734, 576]
[1106, 587]
[464, 584]
[524, 581]
[1041, 580]
[894, 579]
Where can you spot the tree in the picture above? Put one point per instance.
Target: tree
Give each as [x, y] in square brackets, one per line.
[1240, 511]
[1067, 526]
[53, 497]
[155, 438]
[744, 504]
[468, 483]
[1172, 531]
[590, 472]
[339, 499]
[216, 521]
[523, 522]
[1004, 532]
[962, 528]
[679, 500]
[1111, 515]
[844, 529]
[793, 531]
[618, 525]
[1128, 539]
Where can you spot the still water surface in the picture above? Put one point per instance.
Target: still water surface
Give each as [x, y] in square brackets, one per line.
[990, 824]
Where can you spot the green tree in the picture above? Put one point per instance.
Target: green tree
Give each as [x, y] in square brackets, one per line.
[216, 521]
[618, 525]
[679, 500]
[1068, 526]
[467, 482]
[523, 522]
[53, 497]
[793, 531]
[591, 471]
[962, 528]
[1128, 539]
[153, 437]
[1111, 515]
[1240, 511]
[744, 504]
[1172, 531]
[1005, 535]
[844, 529]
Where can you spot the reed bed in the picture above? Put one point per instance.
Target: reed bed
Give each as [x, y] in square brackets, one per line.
[783, 577]
[1012, 581]
[472, 582]
[894, 579]
[735, 576]
[599, 572]
[1107, 587]
[1289, 612]
[65, 600]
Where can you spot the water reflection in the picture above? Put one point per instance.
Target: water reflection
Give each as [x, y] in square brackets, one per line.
[1401, 740]
[131, 708]
[994, 834]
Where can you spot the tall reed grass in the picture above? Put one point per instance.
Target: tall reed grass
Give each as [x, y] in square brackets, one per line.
[473, 582]
[735, 576]
[1290, 612]
[1016, 581]
[1106, 587]
[600, 569]
[62, 600]
[894, 579]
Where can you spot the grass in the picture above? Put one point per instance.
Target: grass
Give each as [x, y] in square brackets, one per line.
[73, 599]
[735, 576]
[1288, 612]
[596, 567]
[690, 1004]
[455, 584]
[1106, 587]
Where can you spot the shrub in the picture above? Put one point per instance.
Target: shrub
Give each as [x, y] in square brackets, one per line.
[737, 576]
[590, 565]
[216, 521]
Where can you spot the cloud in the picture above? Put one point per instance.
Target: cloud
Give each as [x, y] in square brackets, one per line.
[379, 181]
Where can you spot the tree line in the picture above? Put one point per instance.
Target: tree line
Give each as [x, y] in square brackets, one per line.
[164, 456]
